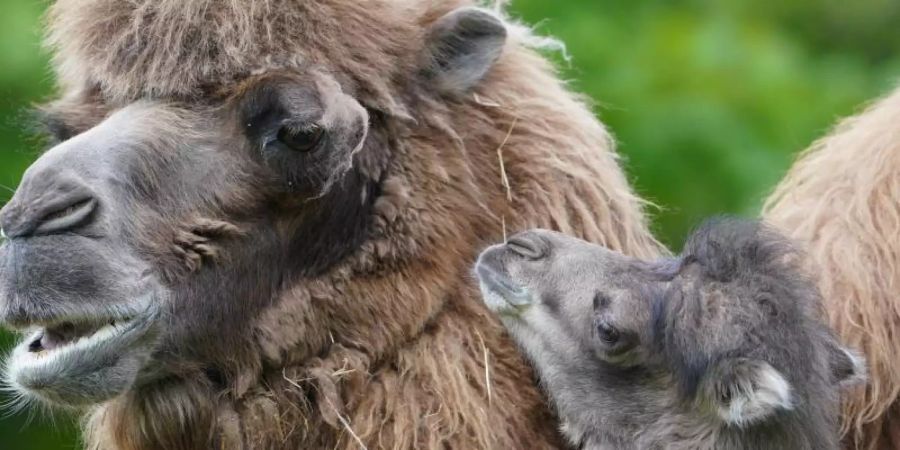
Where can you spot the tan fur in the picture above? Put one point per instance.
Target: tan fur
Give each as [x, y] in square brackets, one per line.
[843, 198]
[401, 365]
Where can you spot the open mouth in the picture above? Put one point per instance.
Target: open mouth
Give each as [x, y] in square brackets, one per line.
[59, 336]
[500, 293]
[74, 362]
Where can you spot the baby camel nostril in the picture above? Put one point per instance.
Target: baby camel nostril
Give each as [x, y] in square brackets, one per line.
[528, 246]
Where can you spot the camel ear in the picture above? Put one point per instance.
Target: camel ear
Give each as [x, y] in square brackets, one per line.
[461, 48]
[745, 391]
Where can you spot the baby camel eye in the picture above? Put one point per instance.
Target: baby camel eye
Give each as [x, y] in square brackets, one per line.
[607, 333]
[301, 140]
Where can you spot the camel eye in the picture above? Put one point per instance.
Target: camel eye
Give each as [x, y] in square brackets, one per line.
[301, 140]
[607, 333]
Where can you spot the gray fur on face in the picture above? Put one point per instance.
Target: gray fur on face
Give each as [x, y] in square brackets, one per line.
[722, 347]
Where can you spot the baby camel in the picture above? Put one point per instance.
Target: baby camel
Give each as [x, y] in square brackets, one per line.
[722, 347]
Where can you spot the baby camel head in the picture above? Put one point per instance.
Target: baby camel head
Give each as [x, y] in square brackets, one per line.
[720, 347]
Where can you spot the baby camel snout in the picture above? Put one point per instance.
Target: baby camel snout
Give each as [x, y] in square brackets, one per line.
[524, 246]
[48, 202]
[505, 270]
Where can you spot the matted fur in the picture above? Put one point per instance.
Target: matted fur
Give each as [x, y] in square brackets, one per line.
[843, 198]
[401, 363]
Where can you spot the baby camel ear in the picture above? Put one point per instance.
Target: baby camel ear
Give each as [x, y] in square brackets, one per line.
[848, 368]
[745, 391]
[461, 48]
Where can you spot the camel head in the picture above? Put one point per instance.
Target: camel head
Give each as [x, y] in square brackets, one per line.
[207, 163]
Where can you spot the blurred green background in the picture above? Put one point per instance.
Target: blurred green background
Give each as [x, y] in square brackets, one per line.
[709, 99]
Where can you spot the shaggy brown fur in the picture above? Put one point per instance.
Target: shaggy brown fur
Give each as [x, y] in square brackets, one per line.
[387, 348]
[843, 198]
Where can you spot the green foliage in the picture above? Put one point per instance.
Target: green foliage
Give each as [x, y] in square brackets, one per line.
[709, 99]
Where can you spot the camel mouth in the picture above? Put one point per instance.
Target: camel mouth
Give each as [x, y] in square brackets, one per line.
[82, 361]
[501, 293]
[58, 336]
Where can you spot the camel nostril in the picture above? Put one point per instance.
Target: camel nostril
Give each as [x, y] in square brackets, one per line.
[66, 215]
[47, 204]
[528, 245]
